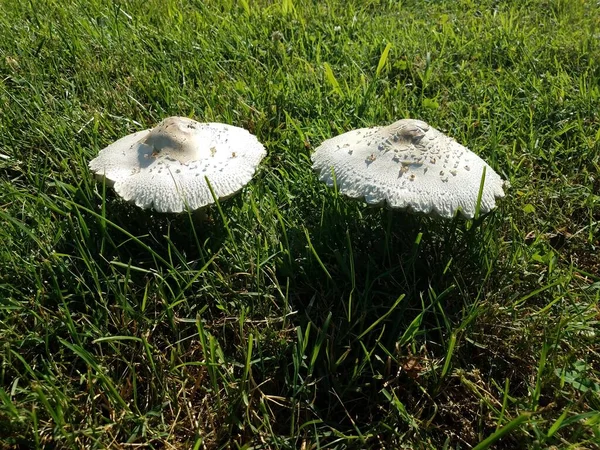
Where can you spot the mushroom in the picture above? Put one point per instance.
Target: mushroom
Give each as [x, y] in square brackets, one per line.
[166, 167]
[408, 165]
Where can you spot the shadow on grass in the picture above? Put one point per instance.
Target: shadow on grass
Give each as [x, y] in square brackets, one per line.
[376, 291]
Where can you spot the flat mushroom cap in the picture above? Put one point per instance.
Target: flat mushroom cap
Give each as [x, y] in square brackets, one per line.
[408, 165]
[165, 167]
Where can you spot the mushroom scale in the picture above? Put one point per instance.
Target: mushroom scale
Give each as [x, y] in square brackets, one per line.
[408, 165]
[164, 168]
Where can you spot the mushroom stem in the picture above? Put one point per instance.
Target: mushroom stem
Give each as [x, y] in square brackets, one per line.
[200, 215]
[388, 217]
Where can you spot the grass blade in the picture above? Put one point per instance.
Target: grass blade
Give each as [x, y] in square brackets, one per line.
[383, 59]
[499, 434]
[332, 80]
[383, 317]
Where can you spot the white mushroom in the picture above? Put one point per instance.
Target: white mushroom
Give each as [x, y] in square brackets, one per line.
[408, 165]
[165, 167]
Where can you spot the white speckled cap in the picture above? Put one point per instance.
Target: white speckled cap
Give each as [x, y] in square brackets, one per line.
[409, 165]
[164, 168]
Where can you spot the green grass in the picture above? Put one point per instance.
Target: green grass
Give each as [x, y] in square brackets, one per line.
[293, 317]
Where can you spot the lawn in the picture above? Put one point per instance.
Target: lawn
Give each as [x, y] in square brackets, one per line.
[293, 317]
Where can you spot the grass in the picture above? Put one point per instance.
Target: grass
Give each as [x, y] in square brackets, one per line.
[293, 317]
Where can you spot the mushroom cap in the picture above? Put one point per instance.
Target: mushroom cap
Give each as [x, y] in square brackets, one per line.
[408, 165]
[165, 167]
